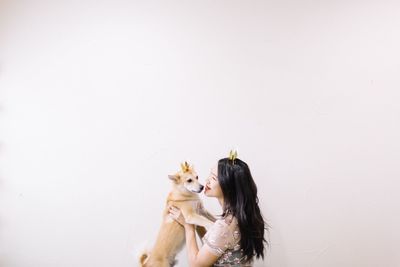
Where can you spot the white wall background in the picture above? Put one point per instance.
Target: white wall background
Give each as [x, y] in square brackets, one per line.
[101, 100]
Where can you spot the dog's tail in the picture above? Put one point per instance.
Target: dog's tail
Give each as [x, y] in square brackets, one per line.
[143, 258]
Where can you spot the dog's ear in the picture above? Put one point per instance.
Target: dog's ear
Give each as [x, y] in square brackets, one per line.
[174, 177]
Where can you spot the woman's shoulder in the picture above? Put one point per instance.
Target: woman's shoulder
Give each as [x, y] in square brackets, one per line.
[223, 235]
[228, 219]
[228, 222]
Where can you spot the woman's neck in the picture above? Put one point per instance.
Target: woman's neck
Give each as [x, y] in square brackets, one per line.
[221, 202]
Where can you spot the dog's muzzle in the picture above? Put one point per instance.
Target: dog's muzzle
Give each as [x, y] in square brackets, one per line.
[201, 189]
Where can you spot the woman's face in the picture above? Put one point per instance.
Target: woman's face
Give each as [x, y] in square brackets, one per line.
[213, 189]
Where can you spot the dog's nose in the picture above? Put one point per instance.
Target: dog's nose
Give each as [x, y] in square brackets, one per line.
[201, 187]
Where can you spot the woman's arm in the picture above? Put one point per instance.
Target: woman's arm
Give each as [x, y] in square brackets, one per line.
[196, 257]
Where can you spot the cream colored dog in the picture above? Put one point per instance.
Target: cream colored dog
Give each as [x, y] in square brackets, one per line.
[171, 237]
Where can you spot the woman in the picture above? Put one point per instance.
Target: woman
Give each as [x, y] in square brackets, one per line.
[238, 236]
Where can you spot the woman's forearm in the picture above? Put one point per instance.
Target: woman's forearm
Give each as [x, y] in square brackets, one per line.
[191, 244]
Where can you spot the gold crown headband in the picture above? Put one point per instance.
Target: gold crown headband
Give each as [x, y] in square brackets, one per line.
[185, 167]
[232, 156]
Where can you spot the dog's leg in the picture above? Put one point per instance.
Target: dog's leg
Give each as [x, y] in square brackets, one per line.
[208, 215]
[202, 211]
[162, 263]
[197, 219]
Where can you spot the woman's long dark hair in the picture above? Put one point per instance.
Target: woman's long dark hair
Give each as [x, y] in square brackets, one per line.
[240, 199]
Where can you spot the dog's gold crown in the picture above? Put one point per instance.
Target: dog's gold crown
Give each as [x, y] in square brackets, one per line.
[185, 167]
[232, 156]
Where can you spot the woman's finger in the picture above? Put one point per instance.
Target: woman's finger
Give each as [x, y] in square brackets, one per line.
[173, 208]
[173, 213]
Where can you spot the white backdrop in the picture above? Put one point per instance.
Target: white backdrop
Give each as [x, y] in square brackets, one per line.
[101, 100]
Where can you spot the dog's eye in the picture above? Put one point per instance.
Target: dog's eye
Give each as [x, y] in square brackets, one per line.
[189, 181]
[197, 177]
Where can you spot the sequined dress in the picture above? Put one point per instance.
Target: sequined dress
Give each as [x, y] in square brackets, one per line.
[223, 239]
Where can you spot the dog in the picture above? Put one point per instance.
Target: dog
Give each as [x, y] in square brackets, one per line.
[171, 236]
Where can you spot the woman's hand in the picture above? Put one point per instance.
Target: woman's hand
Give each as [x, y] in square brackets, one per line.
[176, 214]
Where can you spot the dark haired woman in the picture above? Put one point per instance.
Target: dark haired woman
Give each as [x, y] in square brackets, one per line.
[237, 237]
